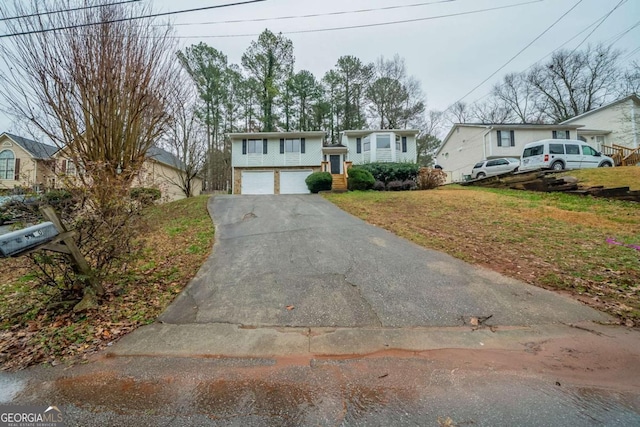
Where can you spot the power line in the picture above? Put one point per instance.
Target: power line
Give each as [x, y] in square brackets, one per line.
[154, 15]
[597, 26]
[31, 15]
[378, 24]
[517, 54]
[587, 27]
[316, 15]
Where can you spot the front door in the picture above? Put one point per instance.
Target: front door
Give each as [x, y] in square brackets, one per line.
[335, 163]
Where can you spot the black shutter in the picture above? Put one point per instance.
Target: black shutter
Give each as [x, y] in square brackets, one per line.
[567, 134]
[554, 135]
[17, 170]
[265, 142]
[512, 135]
[302, 145]
[358, 145]
[281, 145]
[404, 144]
[244, 146]
[499, 139]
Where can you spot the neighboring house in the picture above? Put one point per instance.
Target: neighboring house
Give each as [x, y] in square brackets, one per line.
[31, 164]
[468, 143]
[279, 162]
[163, 170]
[24, 162]
[615, 123]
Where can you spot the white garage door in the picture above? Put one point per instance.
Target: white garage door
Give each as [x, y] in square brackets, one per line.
[292, 182]
[257, 182]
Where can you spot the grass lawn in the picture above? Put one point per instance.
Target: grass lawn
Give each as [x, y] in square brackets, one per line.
[552, 240]
[625, 176]
[178, 240]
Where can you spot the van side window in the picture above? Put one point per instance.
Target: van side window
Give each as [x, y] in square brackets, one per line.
[588, 151]
[533, 151]
[572, 149]
[556, 149]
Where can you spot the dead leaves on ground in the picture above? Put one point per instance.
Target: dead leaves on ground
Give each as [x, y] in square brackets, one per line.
[133, 298]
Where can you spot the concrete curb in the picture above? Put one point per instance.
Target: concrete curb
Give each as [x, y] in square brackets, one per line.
[228, 340]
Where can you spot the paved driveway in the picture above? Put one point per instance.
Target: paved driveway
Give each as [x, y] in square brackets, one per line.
[334, 270]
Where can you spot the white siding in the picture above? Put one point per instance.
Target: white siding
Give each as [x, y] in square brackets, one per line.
[380, 155]
[617, 119]
[311, 157]
[468, 145]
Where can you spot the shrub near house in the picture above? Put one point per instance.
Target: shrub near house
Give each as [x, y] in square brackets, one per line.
[360, 179]
[319, 181]
[387, 172]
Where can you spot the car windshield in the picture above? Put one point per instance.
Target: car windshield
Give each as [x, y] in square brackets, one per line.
[478, 165]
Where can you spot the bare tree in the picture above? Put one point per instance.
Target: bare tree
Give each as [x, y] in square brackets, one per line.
[96, 83]
[459, 112]
[186, 139]
[491, 111]
[572, 83]
[519, 98]
[630, 83]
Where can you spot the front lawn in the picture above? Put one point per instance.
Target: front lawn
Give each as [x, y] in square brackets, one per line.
[552, 240]
[35, 328]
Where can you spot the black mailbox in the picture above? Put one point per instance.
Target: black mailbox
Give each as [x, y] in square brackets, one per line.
[21, 240]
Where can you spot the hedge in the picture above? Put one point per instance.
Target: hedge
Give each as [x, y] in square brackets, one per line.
[387, 172]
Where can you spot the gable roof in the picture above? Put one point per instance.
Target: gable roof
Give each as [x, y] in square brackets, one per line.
[163, 156]
[37, 149]
[632, 97]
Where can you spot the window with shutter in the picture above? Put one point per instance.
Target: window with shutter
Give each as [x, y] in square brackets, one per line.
[404, 144]
[302, 148]
[7, 164]
[244, 146]
[358, 145]
[281, 145]
[512, 136]
[265, 142]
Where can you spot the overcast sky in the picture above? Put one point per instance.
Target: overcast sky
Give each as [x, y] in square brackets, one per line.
[449, 55]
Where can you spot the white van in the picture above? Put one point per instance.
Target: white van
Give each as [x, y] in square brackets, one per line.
[561, 154]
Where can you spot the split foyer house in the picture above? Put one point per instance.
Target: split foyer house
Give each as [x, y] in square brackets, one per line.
[612, 129]
[30, 164]
[279, 162]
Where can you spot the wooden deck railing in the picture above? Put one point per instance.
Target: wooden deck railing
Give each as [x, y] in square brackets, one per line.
[621, 155]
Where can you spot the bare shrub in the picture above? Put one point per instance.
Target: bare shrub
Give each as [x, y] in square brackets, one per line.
[429, 178]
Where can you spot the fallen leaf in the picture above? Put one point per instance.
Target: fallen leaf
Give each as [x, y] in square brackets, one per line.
[290, 307]
[474, 321]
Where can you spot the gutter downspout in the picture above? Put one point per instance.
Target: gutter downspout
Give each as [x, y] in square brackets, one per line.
[634, 127]
[484, 142]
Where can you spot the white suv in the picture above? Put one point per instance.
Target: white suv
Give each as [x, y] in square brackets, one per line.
[559, 154]
[494, 167]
